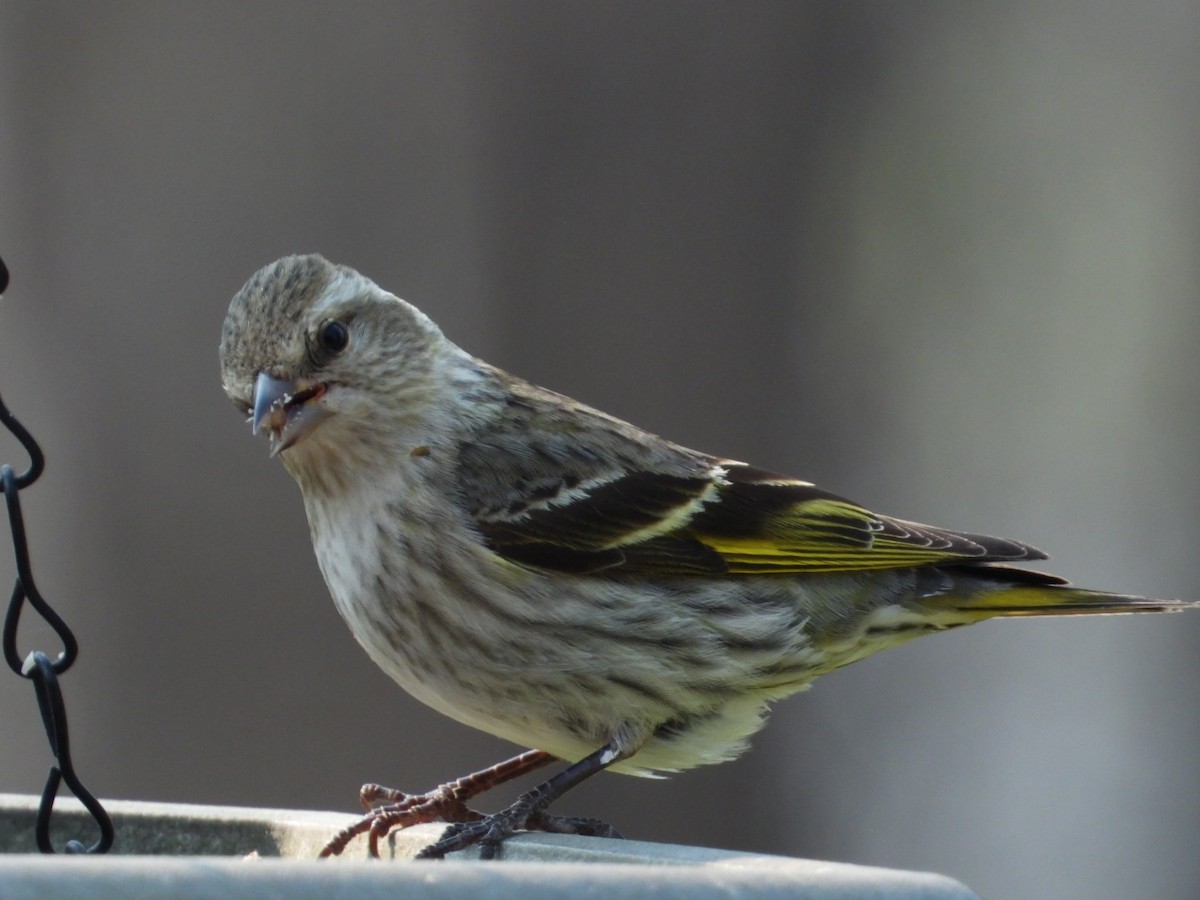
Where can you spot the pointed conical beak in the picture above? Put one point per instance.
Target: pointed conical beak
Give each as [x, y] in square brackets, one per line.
[287, 411]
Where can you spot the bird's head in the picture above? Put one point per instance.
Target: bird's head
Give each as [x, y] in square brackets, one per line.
[307, 343]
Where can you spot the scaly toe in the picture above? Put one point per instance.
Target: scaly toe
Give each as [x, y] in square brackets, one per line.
[489, 833]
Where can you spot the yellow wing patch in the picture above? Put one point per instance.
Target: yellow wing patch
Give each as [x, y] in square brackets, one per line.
[772, 525]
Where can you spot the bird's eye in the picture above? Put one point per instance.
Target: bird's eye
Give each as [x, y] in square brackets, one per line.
[334, 336]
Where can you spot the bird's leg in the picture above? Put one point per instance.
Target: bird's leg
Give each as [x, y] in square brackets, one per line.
[388, 808]
[528, 812]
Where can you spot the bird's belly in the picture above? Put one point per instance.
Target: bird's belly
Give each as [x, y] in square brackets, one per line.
[563, 664]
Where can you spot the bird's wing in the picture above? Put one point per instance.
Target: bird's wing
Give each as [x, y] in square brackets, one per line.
[738, 521]
[575, 495]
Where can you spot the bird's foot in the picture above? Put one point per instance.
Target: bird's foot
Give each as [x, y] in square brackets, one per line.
[526, 814]
[397, 809]
[388, 808]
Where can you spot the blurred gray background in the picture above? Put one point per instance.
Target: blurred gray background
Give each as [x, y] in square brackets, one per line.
[939, 257]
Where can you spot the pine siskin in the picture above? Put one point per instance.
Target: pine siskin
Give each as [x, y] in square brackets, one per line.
[559, 578]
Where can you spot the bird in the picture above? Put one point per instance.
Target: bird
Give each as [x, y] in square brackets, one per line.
[559, 578]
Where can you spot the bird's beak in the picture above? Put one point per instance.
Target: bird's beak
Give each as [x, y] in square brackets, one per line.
[287, 410]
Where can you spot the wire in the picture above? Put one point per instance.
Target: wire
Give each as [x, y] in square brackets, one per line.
[37, 665]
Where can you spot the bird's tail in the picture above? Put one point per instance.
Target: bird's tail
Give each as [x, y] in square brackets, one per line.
[1015, 592]
[1070, 601]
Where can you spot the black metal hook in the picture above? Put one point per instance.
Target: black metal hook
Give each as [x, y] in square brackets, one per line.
[54, 716]
[25, 589]
[37, 461]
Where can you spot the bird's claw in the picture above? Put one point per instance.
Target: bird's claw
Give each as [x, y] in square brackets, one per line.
[399, 810]
[491, 831]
